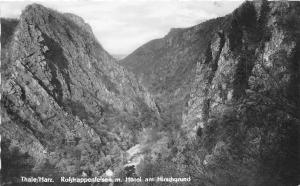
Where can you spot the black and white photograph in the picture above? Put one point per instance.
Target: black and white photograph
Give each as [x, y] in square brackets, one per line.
[150, 93]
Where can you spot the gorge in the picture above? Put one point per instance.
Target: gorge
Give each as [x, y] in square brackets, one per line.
[218, 102]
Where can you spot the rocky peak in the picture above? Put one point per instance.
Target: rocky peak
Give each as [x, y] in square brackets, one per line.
[62, 89]
[79, 21]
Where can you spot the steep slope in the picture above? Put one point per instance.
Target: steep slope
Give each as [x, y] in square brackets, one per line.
[160, 60]
[167, 66]
[65, 101]
[236, 86]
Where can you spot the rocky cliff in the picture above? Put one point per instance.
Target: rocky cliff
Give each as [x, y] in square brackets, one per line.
[234, 85]
[66, 104]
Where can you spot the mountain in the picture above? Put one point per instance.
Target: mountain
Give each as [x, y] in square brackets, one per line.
[233, 85]
[66, 106]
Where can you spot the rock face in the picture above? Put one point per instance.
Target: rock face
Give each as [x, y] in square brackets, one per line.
[234, 82]
[167, 66]
[65, 100]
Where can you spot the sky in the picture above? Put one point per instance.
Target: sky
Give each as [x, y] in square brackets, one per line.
[121, 26]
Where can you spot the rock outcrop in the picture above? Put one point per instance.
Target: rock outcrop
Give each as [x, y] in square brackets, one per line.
[234, 84]
[65, 100]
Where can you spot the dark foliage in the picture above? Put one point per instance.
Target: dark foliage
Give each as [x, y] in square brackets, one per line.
[14, 163]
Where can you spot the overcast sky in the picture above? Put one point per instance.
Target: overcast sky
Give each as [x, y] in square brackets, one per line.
[121, 26]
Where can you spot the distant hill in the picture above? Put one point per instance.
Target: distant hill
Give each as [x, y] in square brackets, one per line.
[119, 56]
